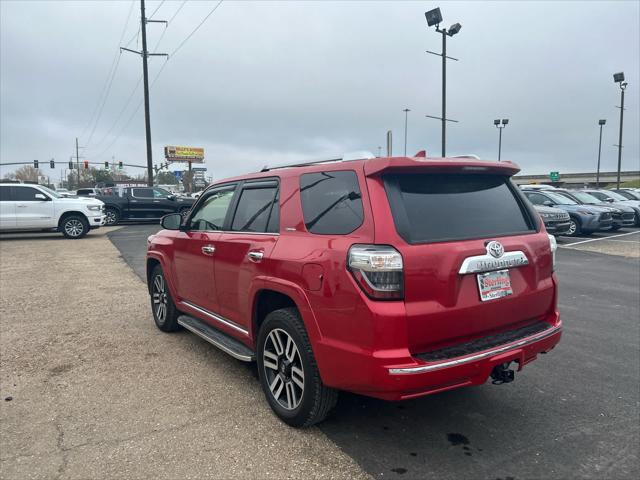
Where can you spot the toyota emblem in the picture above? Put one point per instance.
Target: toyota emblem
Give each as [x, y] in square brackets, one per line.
[495, 249]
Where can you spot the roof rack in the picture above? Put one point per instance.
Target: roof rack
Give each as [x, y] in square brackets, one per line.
[303, 164]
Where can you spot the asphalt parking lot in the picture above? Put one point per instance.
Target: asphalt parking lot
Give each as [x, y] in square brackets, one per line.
[99, 392]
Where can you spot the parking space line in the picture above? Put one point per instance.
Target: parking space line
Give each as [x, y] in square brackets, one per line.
[598, 239]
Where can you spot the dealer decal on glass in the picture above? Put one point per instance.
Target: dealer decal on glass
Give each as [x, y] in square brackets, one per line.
[493, 285]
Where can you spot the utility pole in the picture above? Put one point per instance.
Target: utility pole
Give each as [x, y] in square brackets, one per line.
[601, 123]
[406, 114]
[78, 162]
[145, 74]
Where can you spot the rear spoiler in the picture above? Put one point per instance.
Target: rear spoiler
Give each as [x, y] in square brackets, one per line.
[377, 166]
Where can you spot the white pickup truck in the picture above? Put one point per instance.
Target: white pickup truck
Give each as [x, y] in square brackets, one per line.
[29, 207]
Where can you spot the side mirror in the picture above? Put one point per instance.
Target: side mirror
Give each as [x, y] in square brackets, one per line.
[40, 196]
[171, 197]
[172, 221]
[610, 200]
[548, 203]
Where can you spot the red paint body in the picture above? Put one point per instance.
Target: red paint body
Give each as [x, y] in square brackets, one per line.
[355, 339]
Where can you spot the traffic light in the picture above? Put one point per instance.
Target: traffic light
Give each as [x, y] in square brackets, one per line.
[106, 165]
[52, 163]
[120, 165]
[86, 164]
[35, 164]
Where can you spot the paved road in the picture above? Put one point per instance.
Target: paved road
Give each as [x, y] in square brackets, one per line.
[573, 413]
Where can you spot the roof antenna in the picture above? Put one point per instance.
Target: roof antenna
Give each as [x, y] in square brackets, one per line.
[421, 154]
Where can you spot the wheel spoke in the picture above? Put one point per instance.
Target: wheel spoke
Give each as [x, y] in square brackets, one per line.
[276, 386]
[297, 375]
[277, 343]
[290, 350]
[292, 400]
[156, 298]
[158, 283]
[270, 360]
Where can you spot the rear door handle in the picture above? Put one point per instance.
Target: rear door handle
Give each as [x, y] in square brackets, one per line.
[208, 250]
[21, 205]
[255, 256]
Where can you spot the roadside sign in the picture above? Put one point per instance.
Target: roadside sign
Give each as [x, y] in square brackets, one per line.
[184, 154]
[178, 174]
[554, 176]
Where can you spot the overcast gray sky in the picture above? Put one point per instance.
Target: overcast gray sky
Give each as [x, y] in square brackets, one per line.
[273, 82]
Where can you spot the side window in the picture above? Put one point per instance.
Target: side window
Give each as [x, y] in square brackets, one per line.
[212, 211]
[536, 198]
[5, 194]
[331, 202]
[160, 193]
[142, 192]
[255, 209]
[25, 194]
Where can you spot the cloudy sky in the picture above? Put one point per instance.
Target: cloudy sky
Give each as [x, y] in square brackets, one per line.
[274, 82]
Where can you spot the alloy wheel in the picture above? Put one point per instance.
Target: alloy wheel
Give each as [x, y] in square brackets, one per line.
[572, 227]
[110, 217]
[160, 298]
[283, 369]
[74, 227]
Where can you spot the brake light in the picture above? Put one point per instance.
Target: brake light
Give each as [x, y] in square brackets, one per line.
[378, 270]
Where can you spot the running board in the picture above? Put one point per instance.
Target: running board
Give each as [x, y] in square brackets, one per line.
[217, 338]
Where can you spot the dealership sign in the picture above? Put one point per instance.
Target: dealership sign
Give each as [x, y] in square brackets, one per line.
[184, 154]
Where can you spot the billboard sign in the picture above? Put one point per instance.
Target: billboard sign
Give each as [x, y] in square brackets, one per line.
[184, 154]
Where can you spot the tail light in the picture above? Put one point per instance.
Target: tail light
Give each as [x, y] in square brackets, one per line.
[378, 270]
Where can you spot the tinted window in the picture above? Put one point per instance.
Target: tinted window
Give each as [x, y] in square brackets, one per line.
[26, 194]
[5, 194]
[537, 199]
[440, 207]
[331, 202]
[142, 192]
[254, 209]
[160, 193]
[212, 211]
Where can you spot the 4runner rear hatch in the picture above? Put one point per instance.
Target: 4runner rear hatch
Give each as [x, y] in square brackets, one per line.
[475, 262]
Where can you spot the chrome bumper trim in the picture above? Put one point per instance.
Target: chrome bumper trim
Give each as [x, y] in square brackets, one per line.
[478, 356]
[487, 263]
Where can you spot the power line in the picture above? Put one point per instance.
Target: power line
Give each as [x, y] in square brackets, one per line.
[157, 8]
[111, 73]
[171, 55]
[128, 101]
[196, 29]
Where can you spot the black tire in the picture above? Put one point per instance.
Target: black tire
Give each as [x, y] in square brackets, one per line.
[112, 216]
[165, 313]
[316, 400]
[615, 228]
[74, 226]
[575, 228]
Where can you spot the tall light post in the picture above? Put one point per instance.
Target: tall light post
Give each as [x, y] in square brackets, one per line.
[601, 122]
[619, 79]
[434, 17]
[500, 124]
[406, 119]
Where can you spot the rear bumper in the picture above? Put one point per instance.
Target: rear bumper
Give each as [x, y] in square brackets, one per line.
[381, 375]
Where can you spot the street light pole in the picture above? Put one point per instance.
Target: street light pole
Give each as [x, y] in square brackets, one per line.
[406, 114]
[601, 123]
[619, 79]
[434, 17]
[500, 125]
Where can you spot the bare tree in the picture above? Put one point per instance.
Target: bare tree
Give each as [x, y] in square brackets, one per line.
[24, 173]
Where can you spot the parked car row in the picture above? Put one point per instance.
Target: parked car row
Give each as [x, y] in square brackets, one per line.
[30, 207]
[589, 210]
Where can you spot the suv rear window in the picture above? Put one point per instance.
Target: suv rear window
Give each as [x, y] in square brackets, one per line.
[443, 207]
[331, 202]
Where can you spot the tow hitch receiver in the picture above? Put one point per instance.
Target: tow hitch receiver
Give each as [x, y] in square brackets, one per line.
[501, 374]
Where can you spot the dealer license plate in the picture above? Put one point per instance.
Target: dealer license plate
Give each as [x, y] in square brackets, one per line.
[493, 285]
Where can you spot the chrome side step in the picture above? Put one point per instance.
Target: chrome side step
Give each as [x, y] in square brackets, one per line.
[217, 338]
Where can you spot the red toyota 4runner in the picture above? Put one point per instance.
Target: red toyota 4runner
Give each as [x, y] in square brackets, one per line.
[387, 277]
